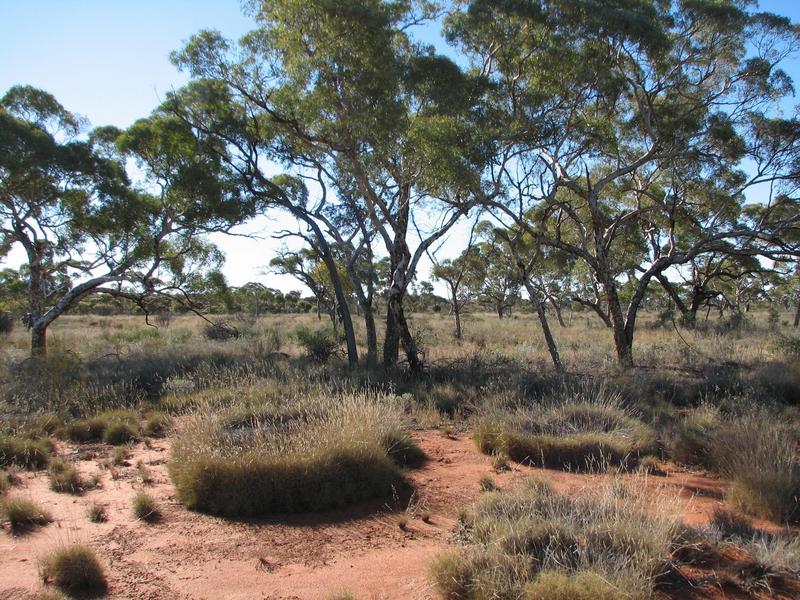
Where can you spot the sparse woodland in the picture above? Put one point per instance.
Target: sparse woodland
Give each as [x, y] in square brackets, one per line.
[595, 396]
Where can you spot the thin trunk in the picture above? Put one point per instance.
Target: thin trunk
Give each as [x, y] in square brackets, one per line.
[797, 315]
[457, 316]
[548, 334]
[372, 334]
[500, 311]
[559, 316]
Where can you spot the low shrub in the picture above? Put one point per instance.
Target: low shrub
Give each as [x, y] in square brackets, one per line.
[145, 508]
[120, 432]
[23, 514]
[75, 570]
[156, 423]
[535, 543]
[64, 477]
[24, 452]
[325, 452]
[319, 344]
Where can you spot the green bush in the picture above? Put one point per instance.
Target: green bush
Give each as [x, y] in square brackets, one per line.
[24, 452]
[75, 570]
[319, 344]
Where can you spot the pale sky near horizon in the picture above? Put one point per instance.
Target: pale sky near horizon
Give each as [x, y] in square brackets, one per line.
[109, 61]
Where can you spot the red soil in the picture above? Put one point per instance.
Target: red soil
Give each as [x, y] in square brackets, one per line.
[362, 550]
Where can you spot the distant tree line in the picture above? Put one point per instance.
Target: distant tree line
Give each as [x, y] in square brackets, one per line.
[612, 159]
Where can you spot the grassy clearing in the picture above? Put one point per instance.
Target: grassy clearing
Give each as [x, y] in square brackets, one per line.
[310, 453]
[75, 570]
[535, 543]
[22, 514]
[582, 431]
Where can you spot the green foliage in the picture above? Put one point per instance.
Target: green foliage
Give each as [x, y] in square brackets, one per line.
[75, 570]
[319, 344]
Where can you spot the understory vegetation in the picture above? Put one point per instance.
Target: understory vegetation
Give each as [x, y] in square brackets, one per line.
[534, 543]
[293, 454]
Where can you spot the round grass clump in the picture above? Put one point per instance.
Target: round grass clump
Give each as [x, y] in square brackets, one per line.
[75, 570]
[533, 543]
[23, 514]
[82, 431]
[64, 478]
[324, 453]
[576, 437]
[25, 452]
[120, 432]
[145, 508]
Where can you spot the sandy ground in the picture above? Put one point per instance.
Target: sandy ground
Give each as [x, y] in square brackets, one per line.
[361, 550]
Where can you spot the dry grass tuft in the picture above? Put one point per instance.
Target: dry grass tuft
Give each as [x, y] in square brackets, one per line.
[146, 508]
[64, 477]
[23, 514]
[535, 543]
[328, 450]
[75, 570]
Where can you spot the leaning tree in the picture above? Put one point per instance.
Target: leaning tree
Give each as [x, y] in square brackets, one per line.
[66, 200]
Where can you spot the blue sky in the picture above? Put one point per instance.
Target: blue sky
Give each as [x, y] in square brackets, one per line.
[108, 60]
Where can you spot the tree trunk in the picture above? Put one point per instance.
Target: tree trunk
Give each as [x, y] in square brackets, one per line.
[397, 332]
[372, 335]
[457, 316]
[548, 335]
[39, 341]
[797, 315]
[500, 311]
[559, 316]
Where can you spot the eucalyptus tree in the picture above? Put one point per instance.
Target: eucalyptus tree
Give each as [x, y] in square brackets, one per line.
[343, 86]
[500, 287]
[463, 277]
[66, 200]
[647, 125]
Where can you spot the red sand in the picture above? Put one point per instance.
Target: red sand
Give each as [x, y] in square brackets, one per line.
[361, 550]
